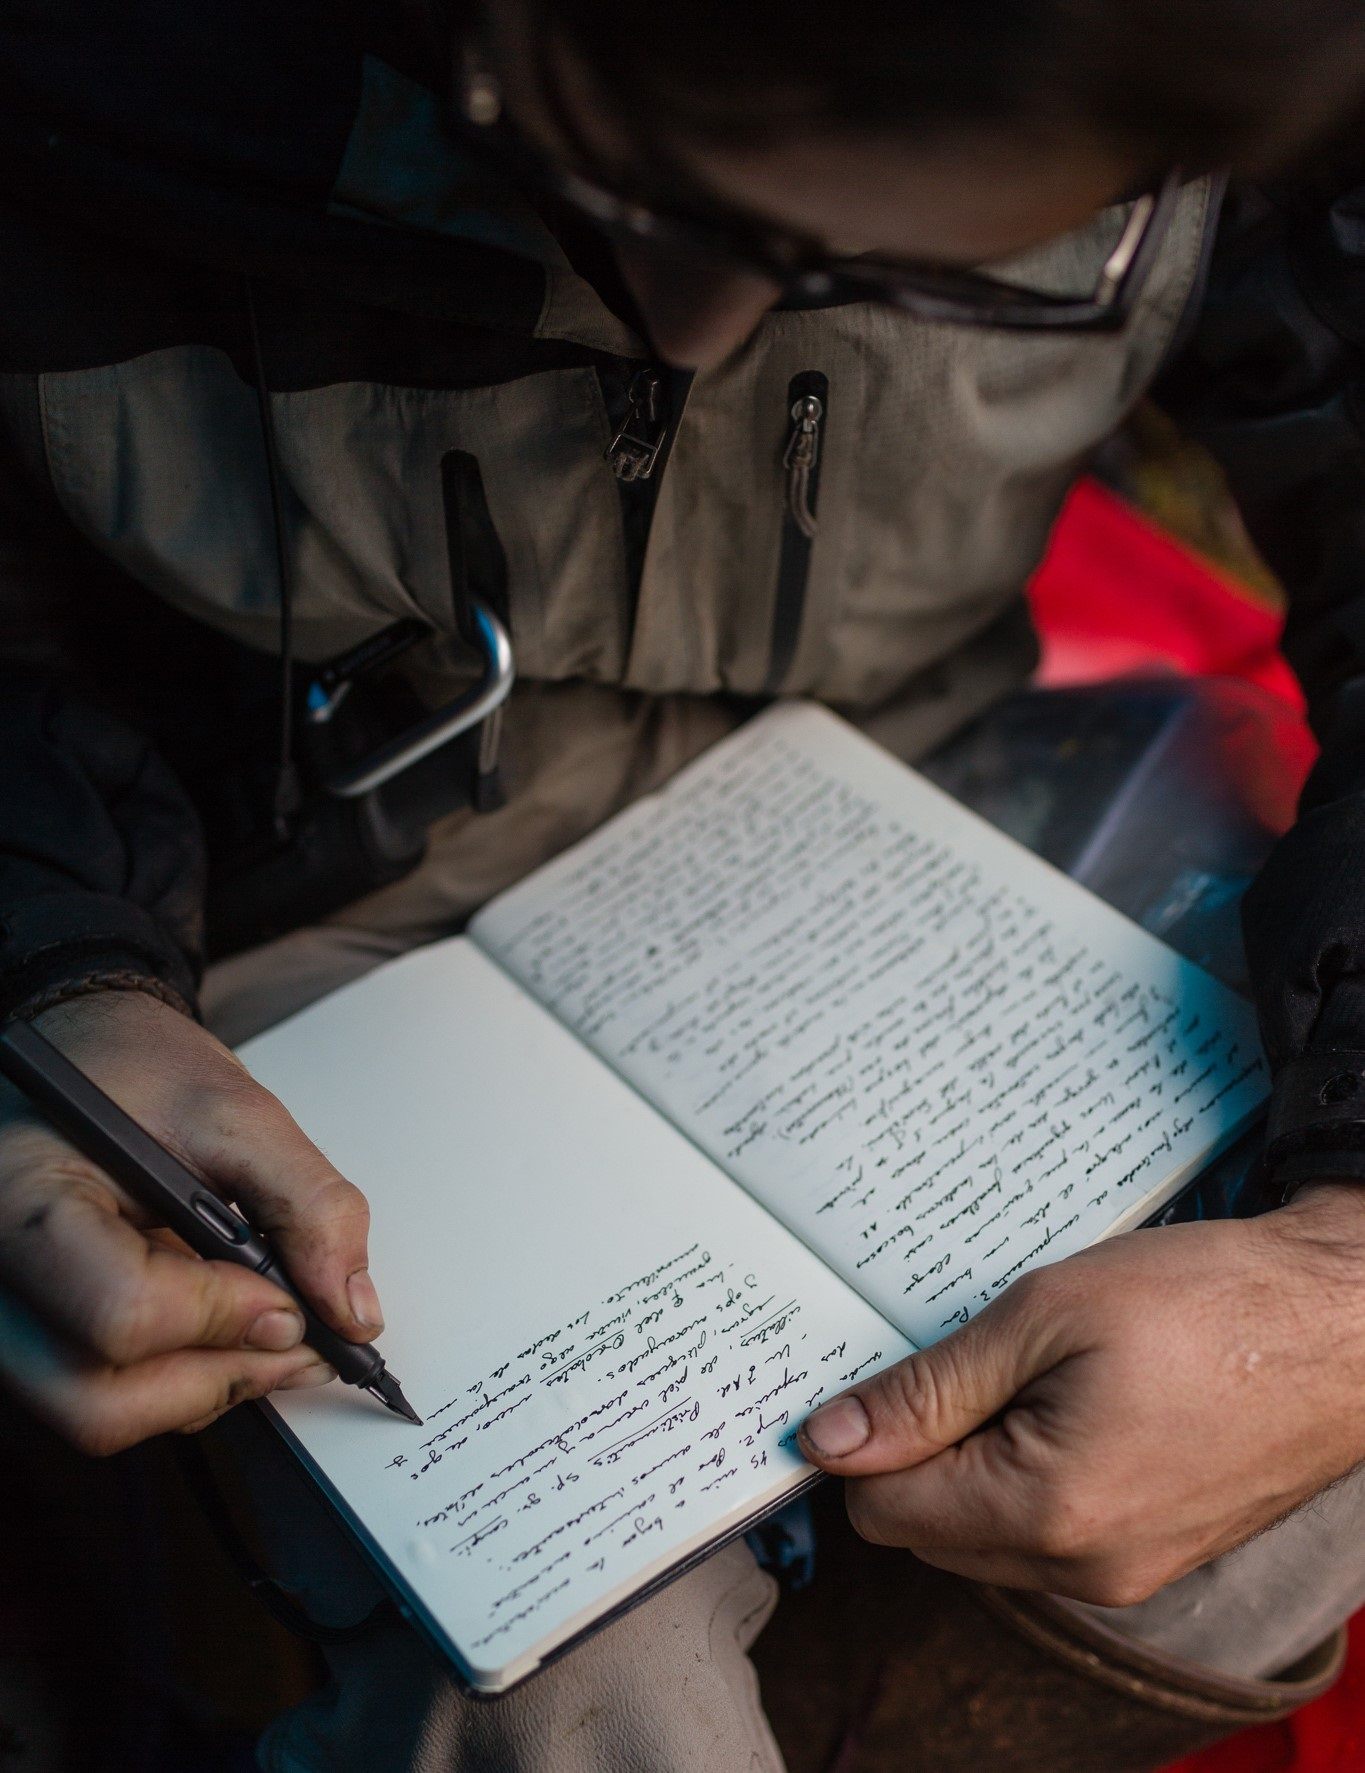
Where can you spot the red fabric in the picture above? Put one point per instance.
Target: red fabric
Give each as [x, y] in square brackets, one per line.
[1325, 1737]
[1117, 594]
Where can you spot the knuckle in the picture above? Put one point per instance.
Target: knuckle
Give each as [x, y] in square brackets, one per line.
[119, 1322]
[1115, 1583]
[1063, 1525]
[345, 1198]
[864, 1516]
[41, 1177]
[235, 1386]
[240, 1097]
[239, 1388]
[335, 1204]
[230, 1073]
[232, 1104]
[245, 1387]
[915, 1395]
[1035, 1295]
[27, 1149]
[97, 1430]
[1026, 1291]
[220, 1310]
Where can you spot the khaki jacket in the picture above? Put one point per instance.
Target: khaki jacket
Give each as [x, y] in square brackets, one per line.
[944, 456]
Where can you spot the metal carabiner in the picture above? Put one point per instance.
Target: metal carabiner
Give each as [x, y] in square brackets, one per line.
[481, 703]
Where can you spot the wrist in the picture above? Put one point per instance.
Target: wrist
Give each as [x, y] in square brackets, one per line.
[99, 985]
[1329, 1206]
[1312, 1299]
[1317, 1246]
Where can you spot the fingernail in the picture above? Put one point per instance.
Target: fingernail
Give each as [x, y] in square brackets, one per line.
[276, 1330]
[838, 1429]
[364, 1300]
[319, 1374]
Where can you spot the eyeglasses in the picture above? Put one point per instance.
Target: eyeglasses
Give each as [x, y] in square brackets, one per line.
[808, 275]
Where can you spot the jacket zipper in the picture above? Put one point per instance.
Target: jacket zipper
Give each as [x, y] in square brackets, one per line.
[634, 450]
[644, 413]
[807, 410]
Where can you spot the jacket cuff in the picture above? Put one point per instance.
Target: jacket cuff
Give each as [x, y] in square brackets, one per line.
[64, 945]
[1316, 1125]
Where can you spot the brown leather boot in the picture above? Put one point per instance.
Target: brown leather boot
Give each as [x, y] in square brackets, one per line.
[887, 1666]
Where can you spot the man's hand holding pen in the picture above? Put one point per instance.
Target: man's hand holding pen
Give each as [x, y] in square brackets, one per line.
[108, 1324]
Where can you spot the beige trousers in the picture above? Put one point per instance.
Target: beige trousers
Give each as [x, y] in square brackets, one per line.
[668, 1688]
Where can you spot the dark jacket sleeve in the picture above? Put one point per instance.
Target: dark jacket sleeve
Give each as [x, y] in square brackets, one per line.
[101, 857]
[1273, 382]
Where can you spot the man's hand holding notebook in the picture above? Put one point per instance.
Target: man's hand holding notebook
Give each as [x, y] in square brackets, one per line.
[1165, 1403]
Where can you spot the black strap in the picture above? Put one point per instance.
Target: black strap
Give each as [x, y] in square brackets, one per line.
[288, 787]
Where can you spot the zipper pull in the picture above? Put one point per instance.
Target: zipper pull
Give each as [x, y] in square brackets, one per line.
[635, 448]
[803, 452]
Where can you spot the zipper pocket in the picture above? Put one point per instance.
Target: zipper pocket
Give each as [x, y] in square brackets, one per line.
[644, 404]
[634, 449]
[807, 414]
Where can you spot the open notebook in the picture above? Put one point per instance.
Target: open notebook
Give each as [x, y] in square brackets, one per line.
[787, 1069]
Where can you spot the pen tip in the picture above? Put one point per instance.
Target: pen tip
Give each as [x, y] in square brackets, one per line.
[387, 1389]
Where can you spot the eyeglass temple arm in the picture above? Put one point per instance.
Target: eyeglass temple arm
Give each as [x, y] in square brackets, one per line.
[1146, 222]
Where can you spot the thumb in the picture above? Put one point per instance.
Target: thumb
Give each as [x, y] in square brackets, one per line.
[316, 1218]
[932, 1399]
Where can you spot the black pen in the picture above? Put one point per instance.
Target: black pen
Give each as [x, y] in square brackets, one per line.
[175, 1195]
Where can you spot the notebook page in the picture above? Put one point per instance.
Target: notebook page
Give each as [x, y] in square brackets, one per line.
[934, 1057]
[610, 1343]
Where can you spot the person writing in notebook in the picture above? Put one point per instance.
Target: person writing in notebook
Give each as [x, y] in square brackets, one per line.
[769, 340]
